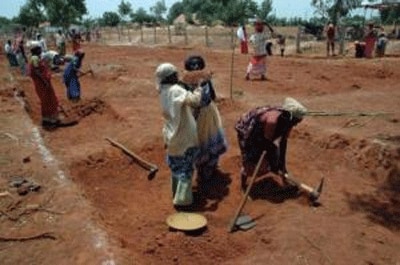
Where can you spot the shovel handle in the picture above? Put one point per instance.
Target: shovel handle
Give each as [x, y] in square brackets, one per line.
[244, 199]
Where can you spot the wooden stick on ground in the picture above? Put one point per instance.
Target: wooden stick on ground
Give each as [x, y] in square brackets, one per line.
[45, 235]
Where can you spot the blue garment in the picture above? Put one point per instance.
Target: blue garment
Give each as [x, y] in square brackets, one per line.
[210, 151]
[182, 167]
[71, 79]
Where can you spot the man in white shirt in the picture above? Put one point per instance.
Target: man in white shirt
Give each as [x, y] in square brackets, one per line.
[8, 49]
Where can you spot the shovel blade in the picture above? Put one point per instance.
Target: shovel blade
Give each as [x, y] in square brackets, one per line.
[245, 222]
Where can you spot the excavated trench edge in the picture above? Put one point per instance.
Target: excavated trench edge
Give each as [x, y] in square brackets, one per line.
[99, 236]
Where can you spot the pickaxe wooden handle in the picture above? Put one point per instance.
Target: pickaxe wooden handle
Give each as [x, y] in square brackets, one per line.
[143, 163]
[314, 193]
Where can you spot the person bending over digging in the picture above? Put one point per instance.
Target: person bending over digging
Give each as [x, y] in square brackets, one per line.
[180, 130]
[267, 128]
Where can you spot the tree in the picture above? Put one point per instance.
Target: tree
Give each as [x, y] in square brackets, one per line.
[111, 19]
[265, 9]
[333, 10]
[235, 12]
[141, 17]
[124, 9]
[159, 10]
[57, 12]
[174, 11]
[30, 15]
[206, 14]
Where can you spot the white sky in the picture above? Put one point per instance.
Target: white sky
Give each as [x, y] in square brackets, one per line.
[96, 8]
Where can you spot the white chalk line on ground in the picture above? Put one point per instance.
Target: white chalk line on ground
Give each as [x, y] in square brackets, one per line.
[99, 236]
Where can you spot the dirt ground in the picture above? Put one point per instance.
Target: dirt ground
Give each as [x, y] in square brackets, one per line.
[94, 205]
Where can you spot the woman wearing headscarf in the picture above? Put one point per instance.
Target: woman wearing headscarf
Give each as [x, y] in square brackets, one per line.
[267, 129]
[370, 38]
[180, 130]
[41, 77]
[258, 61]
[211, 134]
[71, 76]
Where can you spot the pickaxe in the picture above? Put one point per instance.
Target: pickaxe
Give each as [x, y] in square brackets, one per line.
[143, 163]
[90, 71]
[313, 193]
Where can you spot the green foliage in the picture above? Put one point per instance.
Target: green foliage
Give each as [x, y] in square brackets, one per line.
[265, 9]
[142, 17]
[174, 11]
[206, 14]
[332, 10]
[159, 10]
[30, 14]
[124, 9]
[111, 19]
[390, 14]
[57, 12]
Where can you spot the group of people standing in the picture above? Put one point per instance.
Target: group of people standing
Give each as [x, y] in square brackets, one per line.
[374, 41]
[194, 137]
[39, 67]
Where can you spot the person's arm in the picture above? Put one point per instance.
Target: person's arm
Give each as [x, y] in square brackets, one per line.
[200, 97]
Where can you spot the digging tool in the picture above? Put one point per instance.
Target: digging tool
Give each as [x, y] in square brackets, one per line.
[143, 163]
[313, 193]
[90, 71]
[234, 222]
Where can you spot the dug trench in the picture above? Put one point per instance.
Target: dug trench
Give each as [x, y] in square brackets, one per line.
[359, 211]
[133, 209]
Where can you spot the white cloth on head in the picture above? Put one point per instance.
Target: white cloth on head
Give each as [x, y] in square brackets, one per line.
[294, 107]
[164, 70]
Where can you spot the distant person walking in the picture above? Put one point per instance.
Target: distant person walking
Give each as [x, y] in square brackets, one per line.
[12, 58]
[76, 39]
[370, 39]
[281, 41]
[330, 39]
[21, 55]
[60, 43]
[258, 61]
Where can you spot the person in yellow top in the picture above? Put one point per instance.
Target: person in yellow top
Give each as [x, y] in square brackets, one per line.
[180, 129]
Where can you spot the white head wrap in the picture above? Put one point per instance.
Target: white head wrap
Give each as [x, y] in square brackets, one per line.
[294, 107]
[164, 70]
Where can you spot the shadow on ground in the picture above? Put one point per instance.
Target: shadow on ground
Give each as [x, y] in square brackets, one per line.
[383, 206]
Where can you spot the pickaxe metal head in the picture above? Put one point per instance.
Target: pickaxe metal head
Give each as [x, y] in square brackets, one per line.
[152, 173]
[316, 193]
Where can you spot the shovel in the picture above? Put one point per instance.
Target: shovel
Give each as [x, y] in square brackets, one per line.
[244, 221]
